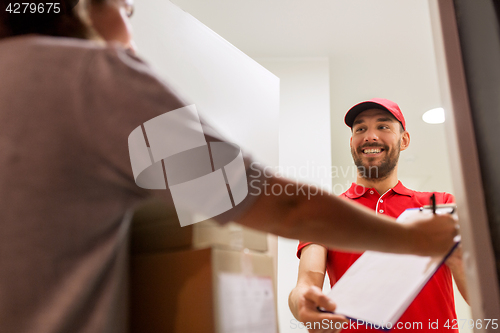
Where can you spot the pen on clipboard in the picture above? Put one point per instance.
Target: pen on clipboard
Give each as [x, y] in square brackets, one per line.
[433, 203]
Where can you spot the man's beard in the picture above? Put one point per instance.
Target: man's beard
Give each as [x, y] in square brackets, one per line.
[376, 172]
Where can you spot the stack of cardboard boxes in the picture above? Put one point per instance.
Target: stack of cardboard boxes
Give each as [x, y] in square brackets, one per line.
[200, 278]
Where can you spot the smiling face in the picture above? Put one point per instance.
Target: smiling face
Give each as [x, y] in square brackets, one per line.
[376, 141]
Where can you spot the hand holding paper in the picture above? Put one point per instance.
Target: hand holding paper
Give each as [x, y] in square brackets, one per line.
[314, 320]
[379, 287]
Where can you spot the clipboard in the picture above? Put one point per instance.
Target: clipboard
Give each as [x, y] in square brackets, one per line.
[378, 288]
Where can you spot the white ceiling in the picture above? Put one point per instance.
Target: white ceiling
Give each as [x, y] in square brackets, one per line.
[273, 28]
[376, 48]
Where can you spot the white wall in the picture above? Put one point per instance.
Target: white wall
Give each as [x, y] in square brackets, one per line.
[231, 91]
[304, 149]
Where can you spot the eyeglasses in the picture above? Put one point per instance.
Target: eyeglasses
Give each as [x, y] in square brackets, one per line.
[128, 5]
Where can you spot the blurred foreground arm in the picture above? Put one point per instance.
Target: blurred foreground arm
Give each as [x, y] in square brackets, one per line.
[304, 212]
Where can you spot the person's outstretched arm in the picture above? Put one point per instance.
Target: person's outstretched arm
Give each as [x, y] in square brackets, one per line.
[312, 268]
[335, 222]
[307, 295]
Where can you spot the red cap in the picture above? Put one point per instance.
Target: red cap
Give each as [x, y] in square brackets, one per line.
[375, 103]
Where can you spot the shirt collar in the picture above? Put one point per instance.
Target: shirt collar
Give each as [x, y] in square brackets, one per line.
[357, 191]
[400, 189]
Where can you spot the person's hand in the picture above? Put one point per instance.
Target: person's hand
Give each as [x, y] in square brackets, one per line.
[310, 316]
[432, 234]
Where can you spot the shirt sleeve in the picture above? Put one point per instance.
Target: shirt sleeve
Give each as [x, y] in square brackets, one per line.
[449, 198]
[444, 198]
[302, 245]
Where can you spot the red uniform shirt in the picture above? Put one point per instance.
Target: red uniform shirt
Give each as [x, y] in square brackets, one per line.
[435, 302]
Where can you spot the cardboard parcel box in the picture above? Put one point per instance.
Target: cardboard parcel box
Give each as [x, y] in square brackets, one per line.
[156, 228]
[207, 290]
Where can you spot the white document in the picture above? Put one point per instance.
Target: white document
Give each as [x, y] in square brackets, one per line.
[246, 304]
[379, 287]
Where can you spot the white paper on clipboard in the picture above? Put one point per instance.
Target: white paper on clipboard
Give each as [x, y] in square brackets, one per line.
[379, 287]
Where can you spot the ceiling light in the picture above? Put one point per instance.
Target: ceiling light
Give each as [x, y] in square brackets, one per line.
[434, 116]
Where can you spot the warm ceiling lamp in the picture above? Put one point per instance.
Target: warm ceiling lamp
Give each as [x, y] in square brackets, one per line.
[434, 116]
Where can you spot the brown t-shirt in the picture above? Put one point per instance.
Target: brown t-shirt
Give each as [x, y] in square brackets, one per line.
[67, 107]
